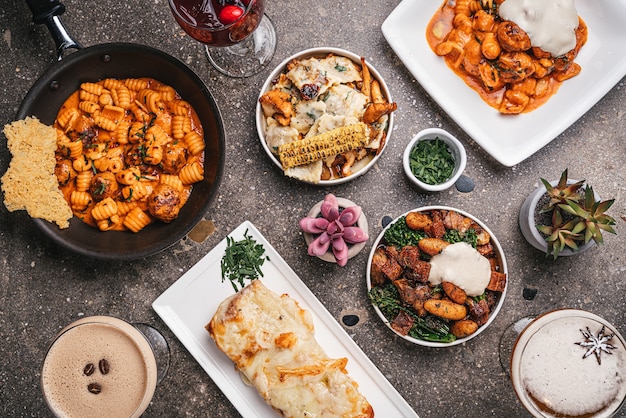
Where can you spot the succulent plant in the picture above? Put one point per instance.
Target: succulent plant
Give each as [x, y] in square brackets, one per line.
[335, 229]
[576, 217]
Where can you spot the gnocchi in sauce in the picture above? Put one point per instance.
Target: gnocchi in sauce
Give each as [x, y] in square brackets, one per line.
[128, 153]
[496, 58]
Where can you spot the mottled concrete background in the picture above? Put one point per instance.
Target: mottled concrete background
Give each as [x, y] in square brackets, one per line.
[44, 287]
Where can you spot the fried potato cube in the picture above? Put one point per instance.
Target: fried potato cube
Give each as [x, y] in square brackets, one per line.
[417, 221]
[454, 292]
[463, 328]
[432, 246]
[446, 309]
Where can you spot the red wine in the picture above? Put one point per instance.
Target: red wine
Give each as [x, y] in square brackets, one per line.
[218, 22]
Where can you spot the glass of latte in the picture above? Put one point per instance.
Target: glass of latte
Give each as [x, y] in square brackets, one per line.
[100, 366]
[569, 363]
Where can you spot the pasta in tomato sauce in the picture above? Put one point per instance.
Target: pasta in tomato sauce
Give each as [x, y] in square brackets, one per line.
[495, 57]
[128, 153]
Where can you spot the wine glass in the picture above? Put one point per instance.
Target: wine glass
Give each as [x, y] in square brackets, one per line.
[566, 363]
[103, 366]
[239, 38]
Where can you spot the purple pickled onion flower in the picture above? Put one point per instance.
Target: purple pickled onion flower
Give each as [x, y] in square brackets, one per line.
[354, 235]
[350, 216]
[330, 207]
[319, 246]
[313, 225]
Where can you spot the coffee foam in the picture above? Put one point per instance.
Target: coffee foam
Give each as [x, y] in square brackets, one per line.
[127, 387]
[557, 377]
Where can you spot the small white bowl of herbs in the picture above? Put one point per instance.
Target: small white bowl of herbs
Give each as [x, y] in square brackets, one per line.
[434, 160]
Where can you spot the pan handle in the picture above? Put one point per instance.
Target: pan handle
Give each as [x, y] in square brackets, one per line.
[48, 12]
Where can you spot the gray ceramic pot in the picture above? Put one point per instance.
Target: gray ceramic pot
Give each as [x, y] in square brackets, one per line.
[354, 249]
[527, 222]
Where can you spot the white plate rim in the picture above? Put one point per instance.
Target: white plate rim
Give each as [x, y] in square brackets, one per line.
[173, 302]
[492, 316]
[512, 139]
[318, 51]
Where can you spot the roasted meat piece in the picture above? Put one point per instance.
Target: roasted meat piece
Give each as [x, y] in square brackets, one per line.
[478, 311]
[422, 293]
[485, 250]
[497, 281]
[384, 267]
[379, 259]
[415, 269]
[402, 323]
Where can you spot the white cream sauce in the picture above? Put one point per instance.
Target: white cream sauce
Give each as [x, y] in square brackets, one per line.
[549, 24]
[462, 265]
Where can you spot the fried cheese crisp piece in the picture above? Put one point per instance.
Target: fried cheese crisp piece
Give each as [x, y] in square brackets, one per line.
[30, 183]
[271, 340]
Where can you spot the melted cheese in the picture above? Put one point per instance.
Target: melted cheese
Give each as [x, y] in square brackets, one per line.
[271, 340]
[550, 25]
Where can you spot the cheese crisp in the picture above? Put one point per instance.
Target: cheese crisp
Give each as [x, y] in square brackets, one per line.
[271, 340]
[30, 183]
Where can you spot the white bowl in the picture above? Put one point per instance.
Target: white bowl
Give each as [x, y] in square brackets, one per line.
[322, 52]
[503, 269]
[454, 146]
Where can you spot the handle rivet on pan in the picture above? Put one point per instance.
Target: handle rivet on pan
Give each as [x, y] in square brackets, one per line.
[106, 58]
[54, 85]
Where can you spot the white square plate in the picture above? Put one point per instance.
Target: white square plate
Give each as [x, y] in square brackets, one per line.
[190, 303]
[513, 138]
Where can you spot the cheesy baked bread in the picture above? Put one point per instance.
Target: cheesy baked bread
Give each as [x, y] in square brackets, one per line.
[271, 340]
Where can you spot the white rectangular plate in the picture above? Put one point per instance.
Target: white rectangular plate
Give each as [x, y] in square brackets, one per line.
[513, 138]
[190, 303]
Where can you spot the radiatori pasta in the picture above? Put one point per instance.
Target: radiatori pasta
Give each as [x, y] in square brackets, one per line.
[128, 153]
[495, 56]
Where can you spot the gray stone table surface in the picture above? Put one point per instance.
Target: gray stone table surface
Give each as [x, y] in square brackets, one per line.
[44, 287]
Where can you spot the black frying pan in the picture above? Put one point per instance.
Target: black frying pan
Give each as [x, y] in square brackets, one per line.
[123, 60]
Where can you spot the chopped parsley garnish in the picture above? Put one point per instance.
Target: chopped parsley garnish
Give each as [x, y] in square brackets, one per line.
[400, 235]
[431, 161]
[242, 261]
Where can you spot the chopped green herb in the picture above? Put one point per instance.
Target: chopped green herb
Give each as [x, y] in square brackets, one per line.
[242, 261]
[431, 161]
[399, 234]
[469, 236]
[340, 68]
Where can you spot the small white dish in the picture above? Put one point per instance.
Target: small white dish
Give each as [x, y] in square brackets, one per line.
[359, 168]
[454, 146]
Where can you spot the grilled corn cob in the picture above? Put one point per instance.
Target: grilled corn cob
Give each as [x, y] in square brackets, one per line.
[328, 144]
